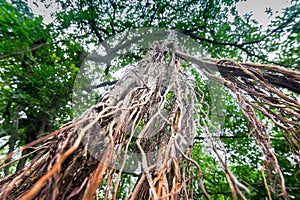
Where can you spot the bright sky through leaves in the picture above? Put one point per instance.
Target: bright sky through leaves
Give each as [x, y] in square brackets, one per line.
[256, 7]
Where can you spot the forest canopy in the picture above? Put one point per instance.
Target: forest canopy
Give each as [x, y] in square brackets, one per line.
[175, 84]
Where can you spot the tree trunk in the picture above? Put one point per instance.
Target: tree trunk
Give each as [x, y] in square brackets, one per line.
[146, 115]
[145, 126]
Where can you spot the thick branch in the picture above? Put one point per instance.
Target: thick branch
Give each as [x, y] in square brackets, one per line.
[284, 81]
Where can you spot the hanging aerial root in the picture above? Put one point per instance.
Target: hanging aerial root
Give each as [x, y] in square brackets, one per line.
[272, 91]
[257, 89]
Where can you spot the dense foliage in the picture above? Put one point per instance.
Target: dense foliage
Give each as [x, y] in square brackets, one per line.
[39, 62]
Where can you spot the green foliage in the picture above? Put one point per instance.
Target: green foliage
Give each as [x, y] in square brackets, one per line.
[36, 76]
[215, 24]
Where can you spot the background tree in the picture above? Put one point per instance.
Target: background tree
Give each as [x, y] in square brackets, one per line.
[36, 78]
[216, 26]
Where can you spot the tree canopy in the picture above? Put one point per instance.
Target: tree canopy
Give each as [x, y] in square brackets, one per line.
[209, 126]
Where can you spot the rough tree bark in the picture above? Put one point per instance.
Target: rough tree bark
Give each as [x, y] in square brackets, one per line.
[151, 111]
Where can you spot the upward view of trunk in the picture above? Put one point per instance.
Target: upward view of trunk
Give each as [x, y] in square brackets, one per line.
[145, 126]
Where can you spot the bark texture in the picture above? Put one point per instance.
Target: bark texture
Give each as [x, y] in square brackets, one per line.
[146, 125]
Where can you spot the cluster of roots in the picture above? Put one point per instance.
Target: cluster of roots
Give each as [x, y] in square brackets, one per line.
[145, 127]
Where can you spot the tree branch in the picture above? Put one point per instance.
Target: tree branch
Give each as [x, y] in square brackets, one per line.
[32, 48]
[239, 46]
[287, 81]
[222, 137]
[106, 83]
[283, 25]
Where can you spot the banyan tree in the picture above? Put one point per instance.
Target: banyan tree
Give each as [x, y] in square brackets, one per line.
[144, 127]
